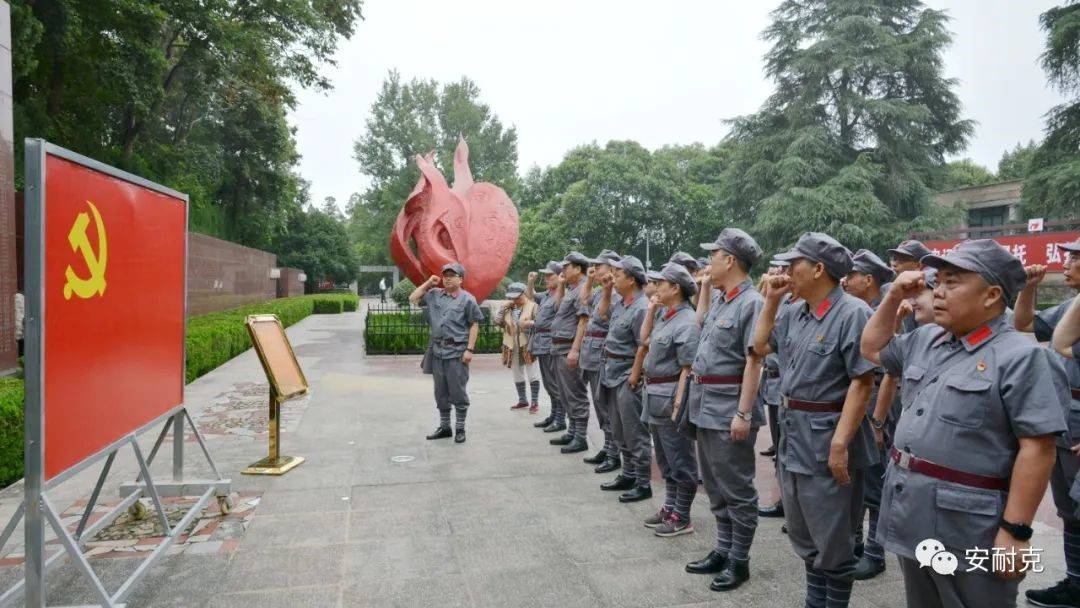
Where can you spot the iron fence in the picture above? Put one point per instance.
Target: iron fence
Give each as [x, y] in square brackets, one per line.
[390, 329]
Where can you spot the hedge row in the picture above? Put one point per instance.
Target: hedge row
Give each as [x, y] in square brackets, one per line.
[408, 333]
[211, 340]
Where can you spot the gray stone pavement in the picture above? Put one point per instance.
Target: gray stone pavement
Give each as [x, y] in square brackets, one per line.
[503, 520]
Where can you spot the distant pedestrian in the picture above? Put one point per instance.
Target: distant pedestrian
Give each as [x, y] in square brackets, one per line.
[382, 290]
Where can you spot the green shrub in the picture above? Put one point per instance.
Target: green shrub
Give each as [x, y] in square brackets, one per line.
[350, 303]
[325, 305]
[400, 292]
[11, 430]
[408, 333]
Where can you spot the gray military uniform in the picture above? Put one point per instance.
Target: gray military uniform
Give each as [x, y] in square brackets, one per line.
[966, 403]
[673, 344]
[727, 467]
[631, 436]
[819, 355]
[540, 346]
[572, 386]
[1065, 469]
[592, 363]
[451, 317]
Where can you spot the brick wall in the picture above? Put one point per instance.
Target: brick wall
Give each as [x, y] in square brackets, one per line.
[289, 283]
[224, 275]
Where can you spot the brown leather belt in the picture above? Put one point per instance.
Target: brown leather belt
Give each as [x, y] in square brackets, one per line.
[543, 330]
[562, 340]
[717, 379]
[1075, 393]
[772, 373]
[662, 379]
[596, 334]
[906, 461]
[813, 406]
[609, 355]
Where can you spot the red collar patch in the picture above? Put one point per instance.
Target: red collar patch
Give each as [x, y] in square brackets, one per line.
[731, 295]
[823, 308]
[628, 300]
[670, 313]
[978, 336]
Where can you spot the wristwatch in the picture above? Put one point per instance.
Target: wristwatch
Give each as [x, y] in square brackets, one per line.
[877, 424]
[469, 350]
[747, 416]
[1020, 532]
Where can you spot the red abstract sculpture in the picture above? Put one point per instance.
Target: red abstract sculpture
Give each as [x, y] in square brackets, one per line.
[474, 224]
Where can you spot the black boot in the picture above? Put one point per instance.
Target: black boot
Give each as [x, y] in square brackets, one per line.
[712, 563]
[442, 432]
[621, 483]
[636, 494]
[565, 439]
[868, 568]
[459, 436]
[776, 510]
[555, 427]
[732, 576]
[599, 458]
[577, 445]
[611, 464]
[545, 422]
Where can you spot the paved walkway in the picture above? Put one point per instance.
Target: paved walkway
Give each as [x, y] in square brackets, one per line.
[503, 520]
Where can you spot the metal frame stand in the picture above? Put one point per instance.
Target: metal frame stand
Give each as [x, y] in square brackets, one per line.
[274, 463]
[38, 510]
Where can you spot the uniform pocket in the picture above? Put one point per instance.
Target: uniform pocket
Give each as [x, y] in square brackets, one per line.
[913, 374]
[724, 334]
[822, 428]
[659, 406]
[818, 359]
[966, 518]
[719, 402]
[964, 401]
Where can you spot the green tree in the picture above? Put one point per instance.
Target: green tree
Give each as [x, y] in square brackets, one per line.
[860, 118]
[1052, 187]
[416, 117]
[1016, 163]
[961, 174]
[318, 243]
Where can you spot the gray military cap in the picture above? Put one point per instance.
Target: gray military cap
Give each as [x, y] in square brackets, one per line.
[1073, 247]
[455, 268]
[703, 262]
[779, 263]
[515, 290]
[685, 260]
[576, 258]
[679, 275]
[552, 268]
[737, 243]
[929, 276]
[867, 262]
[633, 266]
[820, 247]
[989, 260]
[607, 257]
[654, 276]
[911, 248]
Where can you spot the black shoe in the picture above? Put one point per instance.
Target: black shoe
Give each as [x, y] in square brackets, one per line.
[712, 563]
[555, 427]
[1061, 595]
[600, 457]
[543, 423]
[769, 452]
[783, 529]
[441, 433]
[733, 575]
[459, 436]
[621, 483]
[859, 550]
[776, 510]
[868, 568]
[565, 439]
[636, 494]
[575, 446]
[611, 464]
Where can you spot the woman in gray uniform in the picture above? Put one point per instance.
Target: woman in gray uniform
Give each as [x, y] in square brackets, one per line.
[672, 342]
[540, 344]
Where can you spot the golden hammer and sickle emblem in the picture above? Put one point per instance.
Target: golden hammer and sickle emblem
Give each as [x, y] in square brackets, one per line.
[80, 243]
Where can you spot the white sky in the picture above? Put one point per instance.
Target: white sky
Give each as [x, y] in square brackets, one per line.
[567, 73]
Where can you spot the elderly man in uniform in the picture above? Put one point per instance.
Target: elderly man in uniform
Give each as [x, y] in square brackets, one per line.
[826, 443]
[621, 384]
[567, 330]
[671, 335]
[540, 343]
[974, 446]
[726, 416]
[592, 355]
[869, 274]
[1067, 592]
[455, 322]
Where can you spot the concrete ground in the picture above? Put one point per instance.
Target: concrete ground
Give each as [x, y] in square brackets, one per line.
[503, 520]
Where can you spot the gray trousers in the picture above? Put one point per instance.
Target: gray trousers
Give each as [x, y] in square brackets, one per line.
[630, 433]
[675, 457]
[1061, 481]
[451, 376]
[551, 386]
[600, 405]
[821, 515]
[927, 589]
[728, 468]
[572, 389]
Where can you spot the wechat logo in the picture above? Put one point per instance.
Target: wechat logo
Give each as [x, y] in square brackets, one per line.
[932, 554]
